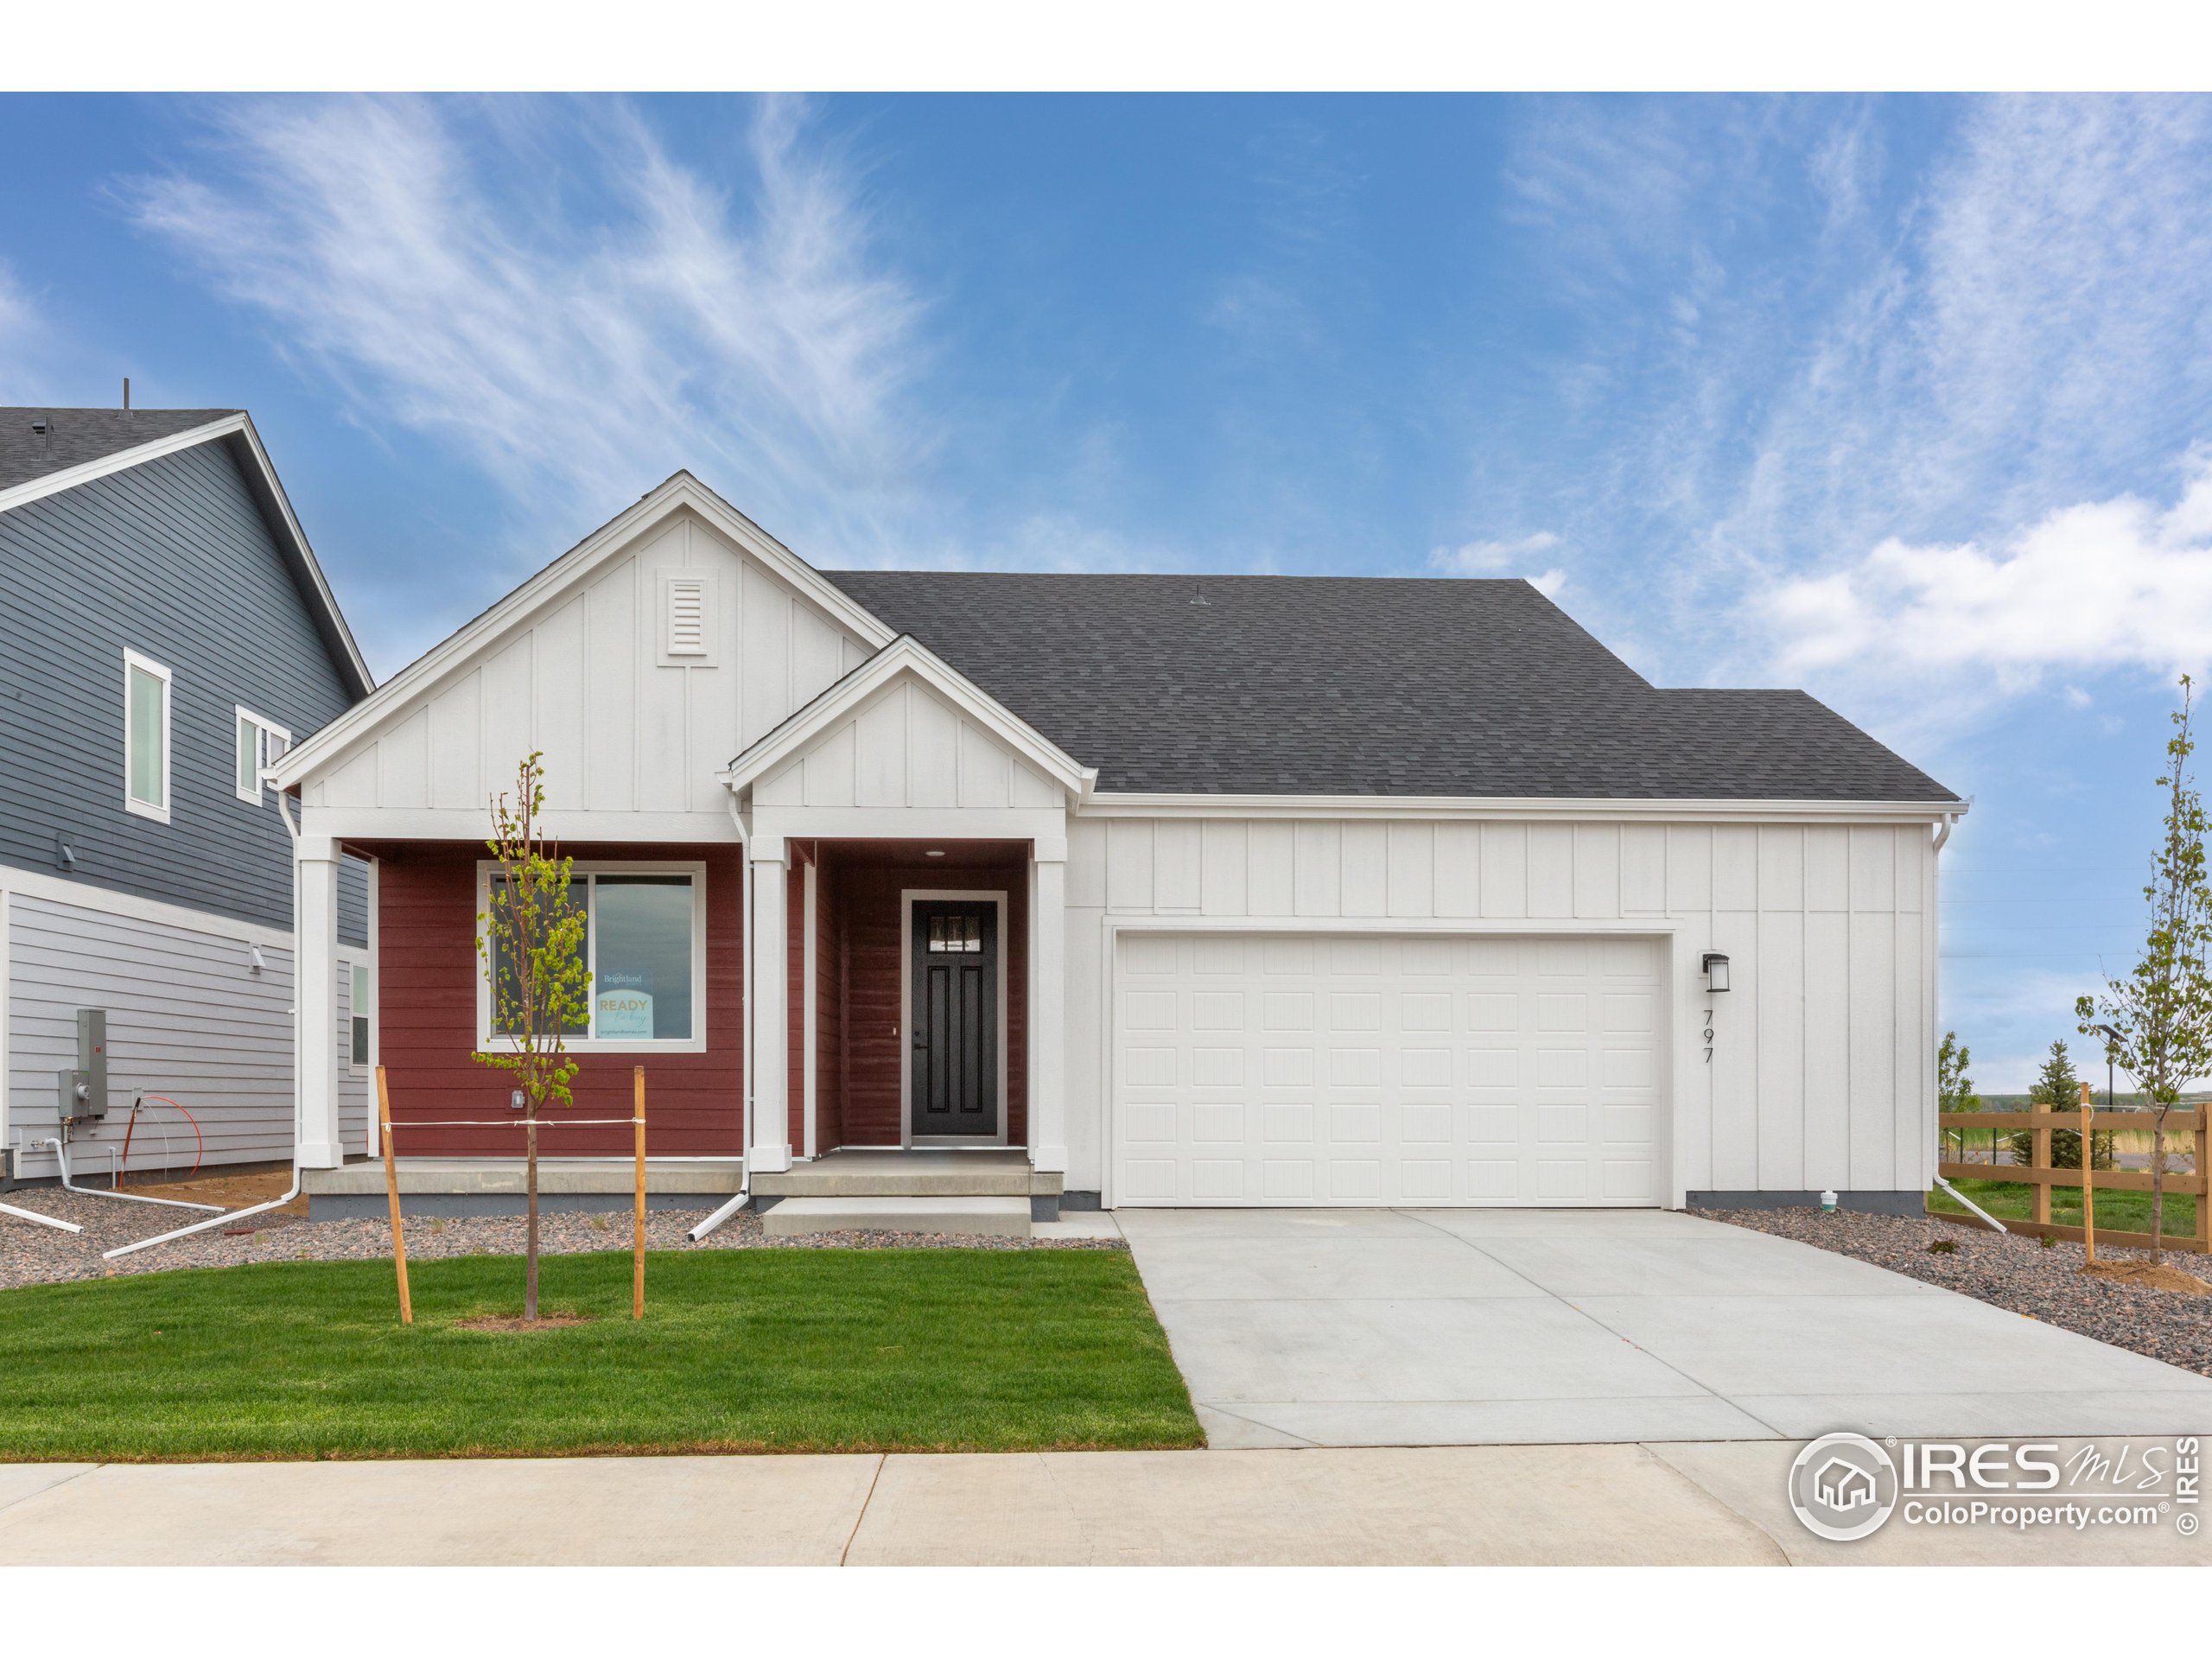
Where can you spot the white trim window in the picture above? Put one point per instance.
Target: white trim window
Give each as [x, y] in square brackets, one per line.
[359, 1009]
[645, 945]
[257, 743]
[145, 737]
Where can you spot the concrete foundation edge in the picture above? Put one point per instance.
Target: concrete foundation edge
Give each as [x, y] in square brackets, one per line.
[360, 1206]
[1874, 1201]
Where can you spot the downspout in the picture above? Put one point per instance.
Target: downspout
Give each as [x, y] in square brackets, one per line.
[283, 811]
[1972, 1205]
[1942, 835]
[745, 1116]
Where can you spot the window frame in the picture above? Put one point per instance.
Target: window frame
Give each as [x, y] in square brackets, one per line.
[360, 1021]
[139, 663]
[489, 1042]
[263, 730]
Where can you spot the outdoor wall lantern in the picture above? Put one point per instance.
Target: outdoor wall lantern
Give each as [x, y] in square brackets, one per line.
[1716, 971]
[515, 1101]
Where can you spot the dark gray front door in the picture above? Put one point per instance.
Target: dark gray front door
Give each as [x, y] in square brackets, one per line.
[953, 1082]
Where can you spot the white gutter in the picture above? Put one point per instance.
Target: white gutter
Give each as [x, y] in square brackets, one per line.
[283, 811]
[745, 1116]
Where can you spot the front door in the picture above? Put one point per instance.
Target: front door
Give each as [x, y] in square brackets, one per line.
[953, 1078]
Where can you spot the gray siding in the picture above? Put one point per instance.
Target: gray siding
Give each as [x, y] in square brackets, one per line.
[187, 1018]
[172, 559]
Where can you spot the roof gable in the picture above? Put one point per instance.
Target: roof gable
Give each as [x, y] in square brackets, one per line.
[544, 595]
[905, 729]
[81, 445]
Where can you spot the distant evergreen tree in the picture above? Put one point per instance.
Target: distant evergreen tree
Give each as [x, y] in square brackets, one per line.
[2057, 1088]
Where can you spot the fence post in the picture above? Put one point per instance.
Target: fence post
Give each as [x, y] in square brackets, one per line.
[2203, 1186]
[638, 1250]
[392, 1194]
[2089, 1187]
[2039, 1158]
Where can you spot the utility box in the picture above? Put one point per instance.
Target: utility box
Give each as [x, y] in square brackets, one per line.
[73, 1089]
[83, 1088]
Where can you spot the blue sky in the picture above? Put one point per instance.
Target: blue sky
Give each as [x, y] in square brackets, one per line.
[1905, 400]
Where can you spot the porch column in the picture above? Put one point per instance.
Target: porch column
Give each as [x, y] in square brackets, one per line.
[1048, 980]
[315, 995]
[766, 996]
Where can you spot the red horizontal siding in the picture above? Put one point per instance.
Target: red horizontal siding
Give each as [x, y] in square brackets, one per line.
[426, 920]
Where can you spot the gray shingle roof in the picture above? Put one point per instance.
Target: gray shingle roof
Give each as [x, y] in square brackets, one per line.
[74, 436]
[1270, 686]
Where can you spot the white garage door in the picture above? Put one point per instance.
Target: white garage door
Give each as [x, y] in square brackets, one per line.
[1296, 1069]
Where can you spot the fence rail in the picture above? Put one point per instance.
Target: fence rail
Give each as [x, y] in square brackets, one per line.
[2040, 1176]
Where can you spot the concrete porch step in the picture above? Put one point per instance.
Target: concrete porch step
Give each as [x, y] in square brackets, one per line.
[867, 1174]
[989, 1217]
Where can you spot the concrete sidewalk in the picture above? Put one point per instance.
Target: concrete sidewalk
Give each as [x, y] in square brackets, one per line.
[1695, 1502]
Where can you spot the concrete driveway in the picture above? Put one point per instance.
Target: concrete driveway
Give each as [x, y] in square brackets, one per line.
[1426, 1327]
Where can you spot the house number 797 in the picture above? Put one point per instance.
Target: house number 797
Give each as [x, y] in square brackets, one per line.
[1708, 1036]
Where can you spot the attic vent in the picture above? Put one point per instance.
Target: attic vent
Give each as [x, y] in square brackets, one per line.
[688, 617]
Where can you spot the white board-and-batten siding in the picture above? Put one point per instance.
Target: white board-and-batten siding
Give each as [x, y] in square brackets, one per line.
[908, 747]
[624, 729]
[1820, 1074]
[187, 1019]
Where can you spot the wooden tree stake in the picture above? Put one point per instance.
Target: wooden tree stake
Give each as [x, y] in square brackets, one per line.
[2039, 1158]
[637, 1273]
[391, 1192]
[2088, 1184]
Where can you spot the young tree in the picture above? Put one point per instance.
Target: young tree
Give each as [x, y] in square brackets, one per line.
[1954, 1088]
[2161, 1014]
[532, 944]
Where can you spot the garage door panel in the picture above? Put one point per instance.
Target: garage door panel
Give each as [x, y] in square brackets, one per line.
[1318, 1069]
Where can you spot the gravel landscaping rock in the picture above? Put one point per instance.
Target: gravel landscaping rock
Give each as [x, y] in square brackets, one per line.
[33, 1254]
[2011, 1271]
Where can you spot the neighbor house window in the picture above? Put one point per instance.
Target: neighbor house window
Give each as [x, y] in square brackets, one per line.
[259, 743]
[145, 737]
[644, 944]
[360, 1009]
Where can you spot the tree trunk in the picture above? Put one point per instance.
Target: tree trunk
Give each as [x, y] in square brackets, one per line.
[530, 1260]
[2159, 1187]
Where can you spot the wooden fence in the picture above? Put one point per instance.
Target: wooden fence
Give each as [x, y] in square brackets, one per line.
[2037, 1173]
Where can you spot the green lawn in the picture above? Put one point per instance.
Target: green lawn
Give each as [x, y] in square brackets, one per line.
[2122, 1212]
[790, 1350]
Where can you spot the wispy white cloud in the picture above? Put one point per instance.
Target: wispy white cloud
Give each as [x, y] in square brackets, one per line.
[19, 333]
[2019, 325]
[1510, 557]
[577, 319]
[2092, 588]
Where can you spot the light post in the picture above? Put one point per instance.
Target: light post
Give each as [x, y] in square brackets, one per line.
[2111, 1047]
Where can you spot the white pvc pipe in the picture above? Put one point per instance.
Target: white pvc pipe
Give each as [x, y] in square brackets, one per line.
[61, 1157]
[283, 813]
[745, 1115]
[1972, 1205]
[43, 1221]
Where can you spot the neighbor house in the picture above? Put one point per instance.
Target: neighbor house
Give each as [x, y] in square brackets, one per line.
[1131, 890]
[164, 634]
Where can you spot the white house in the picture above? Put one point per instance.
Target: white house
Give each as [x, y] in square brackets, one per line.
[1132, 890]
